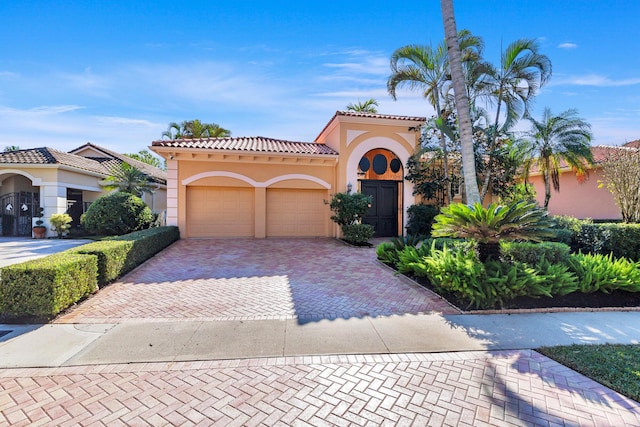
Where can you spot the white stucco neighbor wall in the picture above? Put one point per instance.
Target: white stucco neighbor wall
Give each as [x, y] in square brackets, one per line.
[172, 192]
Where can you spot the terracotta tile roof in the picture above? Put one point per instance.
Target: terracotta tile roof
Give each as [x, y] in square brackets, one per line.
[108, 161]
[370, 115]
[633, 144]
[256, 144]
[50, 156]
[379, 116]
[101, 165]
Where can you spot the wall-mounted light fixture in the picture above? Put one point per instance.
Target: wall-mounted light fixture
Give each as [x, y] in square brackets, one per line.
[349, 187]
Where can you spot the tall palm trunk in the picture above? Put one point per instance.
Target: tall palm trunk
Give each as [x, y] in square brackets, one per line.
[445, 156]
[462, 102]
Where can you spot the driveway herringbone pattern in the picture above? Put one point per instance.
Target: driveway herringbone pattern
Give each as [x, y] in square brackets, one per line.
[468, 389]
[258, 279]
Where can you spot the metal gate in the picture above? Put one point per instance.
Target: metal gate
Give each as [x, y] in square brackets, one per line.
[17, 210]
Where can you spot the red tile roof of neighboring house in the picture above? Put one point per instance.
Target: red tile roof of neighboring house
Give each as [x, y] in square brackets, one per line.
[633, 144]
[99, 165]
[258, 144]
[599, 152]
[112, 158]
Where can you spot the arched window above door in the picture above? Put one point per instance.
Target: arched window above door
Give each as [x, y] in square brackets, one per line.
[380, 164]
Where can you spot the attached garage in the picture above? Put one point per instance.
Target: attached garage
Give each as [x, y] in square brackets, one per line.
[296, 213]
[220, 212]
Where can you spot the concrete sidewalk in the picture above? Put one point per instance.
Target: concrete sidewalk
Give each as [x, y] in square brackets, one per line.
[139, 342]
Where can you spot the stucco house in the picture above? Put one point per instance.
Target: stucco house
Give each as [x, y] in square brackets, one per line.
[581, 196]
[263, 187]
[61, 182]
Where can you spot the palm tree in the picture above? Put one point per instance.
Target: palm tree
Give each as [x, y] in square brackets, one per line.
[420, 67]
[554, 139]
[462, 101]
[128, 179]
[368, 106]
[11, 148]
[512, 86]
[189, 129]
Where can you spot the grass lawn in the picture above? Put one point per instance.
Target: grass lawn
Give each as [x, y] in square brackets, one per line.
[615, 366]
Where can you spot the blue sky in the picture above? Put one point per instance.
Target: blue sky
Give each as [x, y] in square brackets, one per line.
[117, 72]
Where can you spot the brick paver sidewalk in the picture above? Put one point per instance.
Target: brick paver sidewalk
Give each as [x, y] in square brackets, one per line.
[456, 389]
[258, 279]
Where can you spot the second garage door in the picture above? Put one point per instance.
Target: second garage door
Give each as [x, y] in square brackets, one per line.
[296, 213]
[220, 212]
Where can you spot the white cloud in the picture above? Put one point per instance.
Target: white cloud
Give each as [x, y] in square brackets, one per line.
[567, 46]
[594, 80]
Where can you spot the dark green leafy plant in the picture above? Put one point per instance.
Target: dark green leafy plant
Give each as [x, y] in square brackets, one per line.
[420, 219]
[520, 221]
[357, 234]
[348, 209]
[117, 214]
[387, 254]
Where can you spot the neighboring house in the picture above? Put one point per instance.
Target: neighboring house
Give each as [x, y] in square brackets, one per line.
[263, 187]
[580, 196]
[61, 182]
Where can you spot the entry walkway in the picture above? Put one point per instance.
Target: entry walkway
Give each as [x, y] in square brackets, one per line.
[154, 354]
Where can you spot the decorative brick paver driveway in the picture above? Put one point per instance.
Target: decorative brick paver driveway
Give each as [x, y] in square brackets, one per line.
[466, 389]
[258, 279]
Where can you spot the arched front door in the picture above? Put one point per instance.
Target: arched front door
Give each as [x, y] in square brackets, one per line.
[380, 175]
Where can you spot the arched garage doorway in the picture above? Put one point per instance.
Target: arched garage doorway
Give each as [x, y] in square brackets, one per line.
[380, 174]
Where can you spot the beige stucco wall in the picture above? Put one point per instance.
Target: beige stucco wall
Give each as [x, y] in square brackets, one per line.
[260, 173]
[353, 137]
[581, 200]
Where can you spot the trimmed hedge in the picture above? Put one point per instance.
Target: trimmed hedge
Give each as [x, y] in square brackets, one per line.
[46, 286]
[119, 255]
[532, 253]
[622, 240]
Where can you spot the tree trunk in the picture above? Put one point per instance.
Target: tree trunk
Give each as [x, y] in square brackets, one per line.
[462, 102]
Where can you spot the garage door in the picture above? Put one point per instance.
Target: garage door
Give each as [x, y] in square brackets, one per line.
[220, 212]
[296, 213]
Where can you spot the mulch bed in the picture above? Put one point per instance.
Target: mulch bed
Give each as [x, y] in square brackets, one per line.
[616, 299]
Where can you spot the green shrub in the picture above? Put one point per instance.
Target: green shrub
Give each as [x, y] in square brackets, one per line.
[117, 214]
[46, 286]
[349, 208]
[119, 255]
[531, 253]
[420, 219]
[357, 234]
[597, 272]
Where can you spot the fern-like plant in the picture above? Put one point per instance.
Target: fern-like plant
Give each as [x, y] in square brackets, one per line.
[519, 221]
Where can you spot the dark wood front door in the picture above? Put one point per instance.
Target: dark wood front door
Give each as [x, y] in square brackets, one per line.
[383, 214]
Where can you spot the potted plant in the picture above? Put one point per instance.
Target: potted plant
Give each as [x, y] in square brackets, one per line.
[39, 230]
[60, 223]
